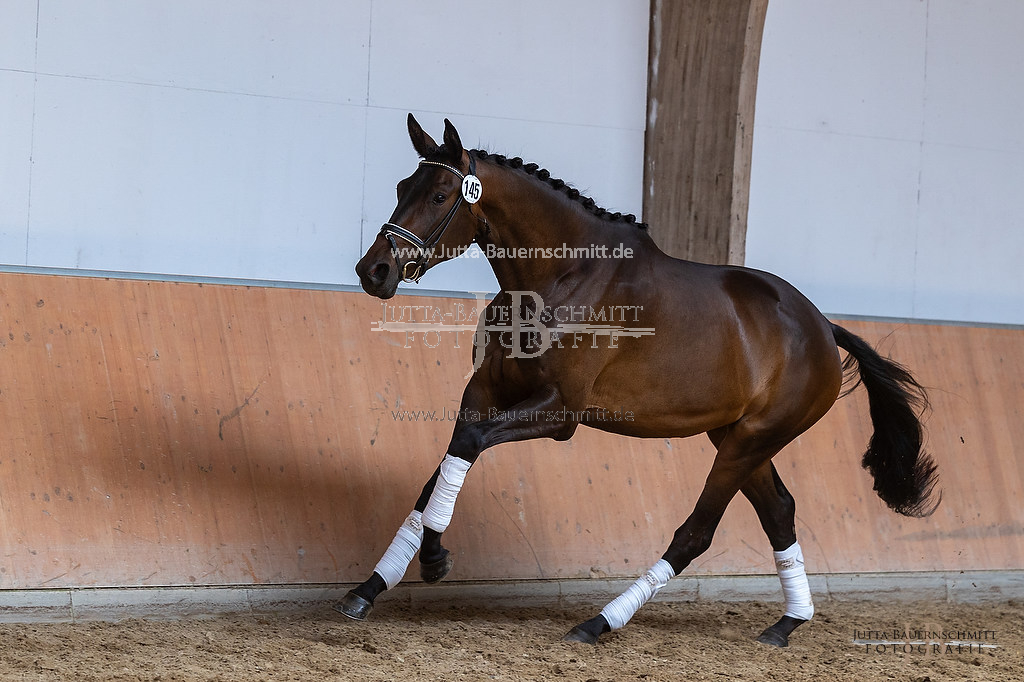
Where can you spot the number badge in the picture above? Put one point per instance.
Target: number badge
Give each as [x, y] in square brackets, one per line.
[471, 189]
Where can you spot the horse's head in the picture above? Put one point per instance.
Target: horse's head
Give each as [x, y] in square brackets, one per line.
[432, 221]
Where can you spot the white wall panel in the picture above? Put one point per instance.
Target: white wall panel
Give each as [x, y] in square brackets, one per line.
[148, 179]
[263, 139]
[970, 262]
[18, 35]
[854, 68]
[317, 49]
[17, 60]
[976, 74]
[15, 163]
[842, 211]
[567, 62]
[888, 156]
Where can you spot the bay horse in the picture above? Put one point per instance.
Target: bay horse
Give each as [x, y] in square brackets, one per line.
[737, 354]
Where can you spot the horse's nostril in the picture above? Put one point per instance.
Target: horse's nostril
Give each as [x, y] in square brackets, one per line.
[380, 273]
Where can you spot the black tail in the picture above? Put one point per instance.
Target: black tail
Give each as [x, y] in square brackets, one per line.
[904, 475]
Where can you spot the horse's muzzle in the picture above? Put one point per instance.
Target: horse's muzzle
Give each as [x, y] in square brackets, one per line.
[378, 277]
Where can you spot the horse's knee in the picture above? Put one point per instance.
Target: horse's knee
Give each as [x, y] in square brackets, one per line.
[467, 442]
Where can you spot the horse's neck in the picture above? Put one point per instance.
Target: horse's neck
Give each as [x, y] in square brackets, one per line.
[532, 227]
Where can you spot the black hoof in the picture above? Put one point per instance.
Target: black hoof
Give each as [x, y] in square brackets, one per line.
[588, 632]
[354, 606]
[578, 634]
[435, 570]
[773, 637]
[778, 634]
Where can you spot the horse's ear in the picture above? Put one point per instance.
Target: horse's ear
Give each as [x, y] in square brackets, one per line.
[421, 142]
[452, 142]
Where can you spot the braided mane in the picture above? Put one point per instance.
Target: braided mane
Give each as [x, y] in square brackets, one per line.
[560, 185]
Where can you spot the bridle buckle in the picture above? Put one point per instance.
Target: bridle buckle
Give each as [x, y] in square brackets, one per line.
[416, 274]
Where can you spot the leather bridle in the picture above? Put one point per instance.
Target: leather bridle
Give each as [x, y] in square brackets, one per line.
[425, 247]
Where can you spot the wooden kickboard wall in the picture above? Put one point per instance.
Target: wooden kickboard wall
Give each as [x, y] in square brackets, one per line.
[160, 433]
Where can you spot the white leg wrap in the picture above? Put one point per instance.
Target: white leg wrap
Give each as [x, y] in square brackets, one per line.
[403, 548]
[441, 504]
[790, 565]
[621, 609]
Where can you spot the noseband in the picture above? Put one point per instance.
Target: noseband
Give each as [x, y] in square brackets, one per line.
[470, 193]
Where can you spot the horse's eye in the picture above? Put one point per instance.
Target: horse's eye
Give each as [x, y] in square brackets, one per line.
[439, 198]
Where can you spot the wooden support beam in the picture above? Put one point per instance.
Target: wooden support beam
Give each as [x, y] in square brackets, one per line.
[702, 79]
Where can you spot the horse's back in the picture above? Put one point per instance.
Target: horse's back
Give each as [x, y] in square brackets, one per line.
[736, 300]
[728, 340]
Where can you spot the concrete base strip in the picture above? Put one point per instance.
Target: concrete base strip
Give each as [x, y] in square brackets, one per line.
[111, 604]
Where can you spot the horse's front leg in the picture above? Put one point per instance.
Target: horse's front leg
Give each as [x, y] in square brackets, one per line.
[542, 415]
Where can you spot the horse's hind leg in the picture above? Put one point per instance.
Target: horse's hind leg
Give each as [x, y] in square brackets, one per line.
[777, 512]
[739, 454]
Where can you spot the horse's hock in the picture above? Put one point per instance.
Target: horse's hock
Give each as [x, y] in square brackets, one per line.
[160, 433]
